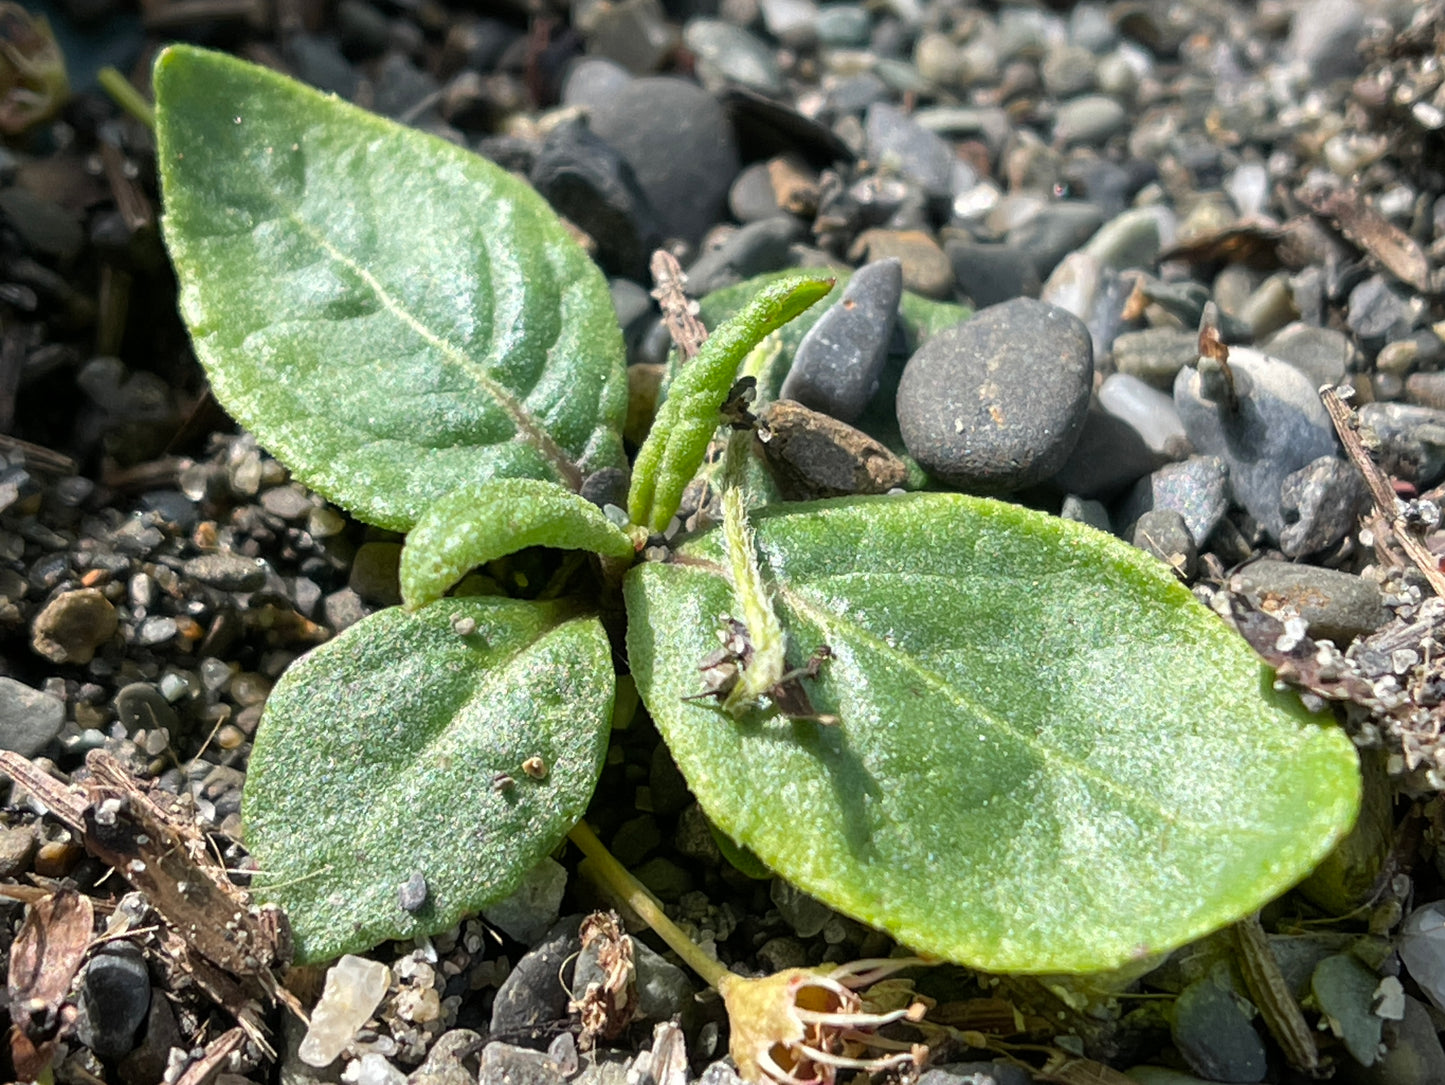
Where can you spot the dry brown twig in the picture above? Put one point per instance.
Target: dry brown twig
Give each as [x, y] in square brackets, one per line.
[1388, 507]
[682, 323]
[215, 937]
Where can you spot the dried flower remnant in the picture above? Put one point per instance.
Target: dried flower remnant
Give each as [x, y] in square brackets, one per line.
[804, 1025]
[33, 83]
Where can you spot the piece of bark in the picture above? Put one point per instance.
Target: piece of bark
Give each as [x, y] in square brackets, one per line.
[812, 455]
[44, 958]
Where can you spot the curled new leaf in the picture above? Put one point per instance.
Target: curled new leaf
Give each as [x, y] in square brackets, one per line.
[1049, 757]
[392, 316]
[478, 524]
[675, 447]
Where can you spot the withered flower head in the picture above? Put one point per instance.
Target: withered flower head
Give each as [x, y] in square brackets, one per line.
[801, 1026]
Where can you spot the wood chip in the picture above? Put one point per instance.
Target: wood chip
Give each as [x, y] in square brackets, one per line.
[44, 959]
[1388, 509]
[1277, 1005]
[1350, 213]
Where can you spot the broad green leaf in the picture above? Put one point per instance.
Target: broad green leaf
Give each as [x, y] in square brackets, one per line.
[478, 524]
[1050, 758]
[397, 749]
[686, 420]
[391, 315]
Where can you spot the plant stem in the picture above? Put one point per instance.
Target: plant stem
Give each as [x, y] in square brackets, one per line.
[126, 96]
[617, 878]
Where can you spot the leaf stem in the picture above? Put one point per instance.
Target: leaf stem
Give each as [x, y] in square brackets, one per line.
[126, 96]
[618, 879]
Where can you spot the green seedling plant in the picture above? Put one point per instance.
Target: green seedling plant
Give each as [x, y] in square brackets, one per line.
[1008, 740]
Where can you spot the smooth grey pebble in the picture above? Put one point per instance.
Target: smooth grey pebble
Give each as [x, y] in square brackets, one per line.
[1155, 355]
[1336, 606]
[838, 361]
[1086, 511]
[534, 996]
[507, 1064]
[1164, 534]
[750, 250]
[680, 145]
[1090, 119]
[1324, 355]
[29, 718]
[141, 707]
[1057, 230]
[592, 81]
[751, 197]
[226, 571]
[919, 155]
[997, 403]
[992, 272]
[1215, 1034]
[591, 185]
[115, 996]
[727, 54]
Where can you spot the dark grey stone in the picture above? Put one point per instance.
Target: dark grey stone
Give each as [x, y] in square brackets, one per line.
[115, 996]
[342, 609]
[751, 250]
[1336, 606]
[1379, 310]
[363, 29]
[1090, 119]
[921, 156]
[1213, 1031]
[1057, 230]
[1109, 456]
[226, 571]
[677, 140]
[1321, 503]
[1084, 511]
[726, 54]
[1197, 489]
[1326, 38]
[404, 91]
[1164, 534]
[836, 366]
[586, 181]
[751, 197]
[1155, 355]
[997, 403]
[531, 1004]
[1324, 355]
[593, 81]
[317, 59]
[1276, 426]
[29, 718]
[141, 707]
[976, 1073]
[606, 486]
[991, 272]
[374, 573]
[1411, 440]
[447, 1058]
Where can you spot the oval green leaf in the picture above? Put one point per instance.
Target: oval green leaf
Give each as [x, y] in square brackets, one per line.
[392, 316]
[688, 418]
[1051, 758]
[478, 524]
[387, 752]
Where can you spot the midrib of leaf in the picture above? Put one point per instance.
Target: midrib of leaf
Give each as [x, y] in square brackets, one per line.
[1050, 755]
[527, 426]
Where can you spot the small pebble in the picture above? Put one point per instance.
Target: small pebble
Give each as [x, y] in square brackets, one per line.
[73, 625]
[1212, 1029]
[989, 273]
[924, 267]
[1335, 605]
[536, 992]
[530, 909]
[375, 573]
[1164, 534]
[997, 403]
[1197, 489]
[1408, 441]
[836, 365]
[115, 996]
[140, 707]
[226, 571]
[1321, 503]
[813, 455]
[29, 718]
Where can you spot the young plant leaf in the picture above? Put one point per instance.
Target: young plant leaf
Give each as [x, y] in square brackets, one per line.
[1050, 757]
[919, 317]
[688, 418]
[392, 316]
[478, 524]
[398, 749]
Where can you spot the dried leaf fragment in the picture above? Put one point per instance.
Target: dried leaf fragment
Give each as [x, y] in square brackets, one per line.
[607, 1005]
[33, 83]
[44, 958]
[1362, 225]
